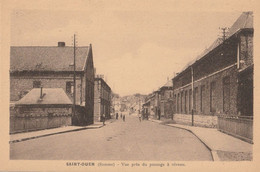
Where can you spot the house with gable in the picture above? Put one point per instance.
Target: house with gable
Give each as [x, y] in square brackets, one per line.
[53, 67]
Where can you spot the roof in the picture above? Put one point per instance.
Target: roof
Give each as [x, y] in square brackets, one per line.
[168, 84]
[46, 58]
[54, 96]
[244, 21]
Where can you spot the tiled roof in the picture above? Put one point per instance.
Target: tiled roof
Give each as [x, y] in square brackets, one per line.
[52, 96]
[44, 58]
[244, 21]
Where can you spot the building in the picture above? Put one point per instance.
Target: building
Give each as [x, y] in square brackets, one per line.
[41, 108]
[116, 104]
[150, 106]
[102, 99]
[53, 67]
[216, 89]
[159, 104]
[166, 100]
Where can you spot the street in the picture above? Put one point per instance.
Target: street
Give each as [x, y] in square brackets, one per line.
[129, 140]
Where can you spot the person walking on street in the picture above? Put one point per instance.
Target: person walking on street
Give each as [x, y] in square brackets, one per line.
[140, 117]
[103, 119]
[116, 115]
[124, 118]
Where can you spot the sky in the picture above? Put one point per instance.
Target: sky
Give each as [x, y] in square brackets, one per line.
[136, 49]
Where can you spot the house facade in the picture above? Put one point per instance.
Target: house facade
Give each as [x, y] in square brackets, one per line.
[53, 67]
[219, 83]
[166, 100]
[102, 100]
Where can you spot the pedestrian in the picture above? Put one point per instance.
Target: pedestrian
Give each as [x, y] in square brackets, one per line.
[124, 118]
[121, 115]
[140, 117]
[116, 115]
[103, 119]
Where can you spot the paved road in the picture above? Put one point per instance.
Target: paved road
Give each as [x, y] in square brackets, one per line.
[129, 140]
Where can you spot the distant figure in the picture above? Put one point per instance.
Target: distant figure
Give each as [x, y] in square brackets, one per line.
[103, 119]
[140, 117]
[124, 118]
[159, 114]
[121, 115]
[116, 115]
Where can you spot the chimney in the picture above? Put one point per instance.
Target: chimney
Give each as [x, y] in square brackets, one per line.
[61, 44]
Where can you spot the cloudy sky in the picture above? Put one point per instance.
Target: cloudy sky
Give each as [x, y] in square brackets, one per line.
[136, 49]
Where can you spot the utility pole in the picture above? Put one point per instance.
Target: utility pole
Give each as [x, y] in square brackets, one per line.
[224, 32]
[74, 78]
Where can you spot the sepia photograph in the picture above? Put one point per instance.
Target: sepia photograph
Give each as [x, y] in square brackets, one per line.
[127, 84]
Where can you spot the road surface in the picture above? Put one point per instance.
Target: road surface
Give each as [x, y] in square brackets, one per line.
[129, 140]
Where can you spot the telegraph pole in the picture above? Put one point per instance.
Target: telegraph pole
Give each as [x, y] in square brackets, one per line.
[224, 32]
[74, 78]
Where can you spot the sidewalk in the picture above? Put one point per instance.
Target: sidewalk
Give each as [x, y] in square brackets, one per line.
[223, 147]
[48, 132]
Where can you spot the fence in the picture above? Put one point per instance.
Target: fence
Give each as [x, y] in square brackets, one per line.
[31, 122]
[240, 127]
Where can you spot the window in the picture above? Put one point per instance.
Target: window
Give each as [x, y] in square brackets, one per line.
[213, 96]
[226, 94]
[202, 96]
[185, 101]
[195, 99]
[69, 87]
[181, 101]
[190, 96]
[37, 84]
[178, 103]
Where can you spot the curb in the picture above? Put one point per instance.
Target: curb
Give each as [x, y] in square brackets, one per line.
[214, 154]
[50, 134]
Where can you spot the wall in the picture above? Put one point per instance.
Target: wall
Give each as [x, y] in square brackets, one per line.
[166, 102]
[246, 50]
[199, 120]
[24, 119]
[88, 79]
[20, 84]
[102, 99]
[202, 103]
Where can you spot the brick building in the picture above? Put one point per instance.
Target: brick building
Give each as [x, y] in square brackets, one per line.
[102, 99]
[221, 80]
[52, 67]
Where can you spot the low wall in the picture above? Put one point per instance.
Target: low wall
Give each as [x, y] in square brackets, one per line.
[208, 121]
[237, 126]
[32, 119]
[25, 124]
